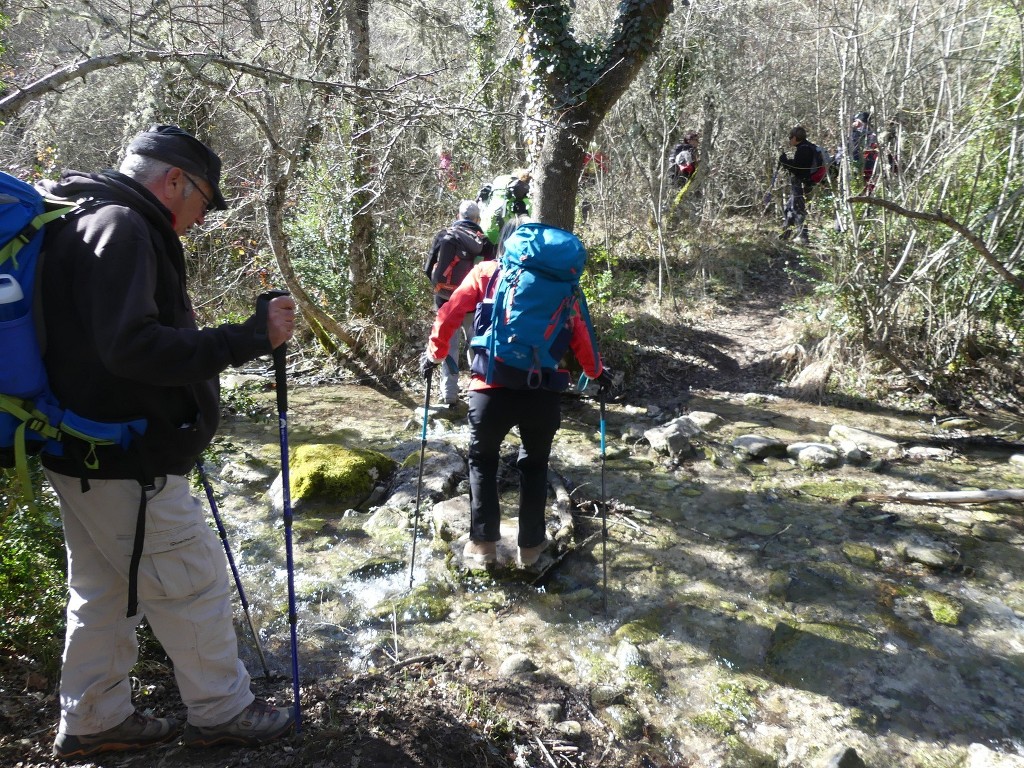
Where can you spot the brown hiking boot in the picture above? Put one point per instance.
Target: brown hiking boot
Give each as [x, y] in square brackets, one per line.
[138, 731]
[257, 724]
[481, 552]
[530, 555]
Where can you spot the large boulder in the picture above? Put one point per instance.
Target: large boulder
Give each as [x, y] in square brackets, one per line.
[334, 474]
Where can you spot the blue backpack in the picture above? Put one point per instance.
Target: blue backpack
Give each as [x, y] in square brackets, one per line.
[30, 417]
[522, 325]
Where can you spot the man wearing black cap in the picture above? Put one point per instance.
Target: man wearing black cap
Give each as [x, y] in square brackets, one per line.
[122, 344]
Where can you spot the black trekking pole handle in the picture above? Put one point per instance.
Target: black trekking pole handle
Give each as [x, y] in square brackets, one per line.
[281, 377]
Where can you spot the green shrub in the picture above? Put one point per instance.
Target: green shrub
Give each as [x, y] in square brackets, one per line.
[32, 574]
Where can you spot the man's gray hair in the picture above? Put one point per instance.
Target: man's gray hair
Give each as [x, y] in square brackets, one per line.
[147, 170]
[469, 210]
[143, 169]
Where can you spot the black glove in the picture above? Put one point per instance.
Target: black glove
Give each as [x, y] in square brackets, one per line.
[604, 382]
[782, 158]
[427, 366]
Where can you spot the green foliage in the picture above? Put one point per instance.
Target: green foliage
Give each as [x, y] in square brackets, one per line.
[318, 236]
[32, 574]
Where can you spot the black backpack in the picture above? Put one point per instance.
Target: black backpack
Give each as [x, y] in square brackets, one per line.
[445, 275]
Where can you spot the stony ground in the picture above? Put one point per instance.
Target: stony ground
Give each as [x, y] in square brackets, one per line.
[439, 709]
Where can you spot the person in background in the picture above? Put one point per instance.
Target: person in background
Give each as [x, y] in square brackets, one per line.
[122, 344]
[799, 168]
[446, 178]
[684, 158]
[495, 409]
[453, 255]
[862, 149]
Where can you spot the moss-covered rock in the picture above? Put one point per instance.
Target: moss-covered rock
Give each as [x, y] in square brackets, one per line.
[639, 631]
[334, 473]
[942, 608]
[860, 554]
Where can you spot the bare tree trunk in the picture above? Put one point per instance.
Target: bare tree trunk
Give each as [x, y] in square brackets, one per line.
[357, 18]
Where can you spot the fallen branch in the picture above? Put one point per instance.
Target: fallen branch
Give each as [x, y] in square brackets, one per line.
[942, 497]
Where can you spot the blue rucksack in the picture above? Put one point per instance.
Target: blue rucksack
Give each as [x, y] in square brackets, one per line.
[30, 417]
[522, 325]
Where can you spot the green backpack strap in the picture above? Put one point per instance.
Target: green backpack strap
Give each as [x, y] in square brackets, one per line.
[23, 238]
[28, 417]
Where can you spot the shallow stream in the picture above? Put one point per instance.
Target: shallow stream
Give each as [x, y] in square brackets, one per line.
[753, 616]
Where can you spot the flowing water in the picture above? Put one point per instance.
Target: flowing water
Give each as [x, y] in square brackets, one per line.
[751, 612]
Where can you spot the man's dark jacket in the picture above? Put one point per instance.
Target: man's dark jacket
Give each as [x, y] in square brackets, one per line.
[121, 341]
[802, 162]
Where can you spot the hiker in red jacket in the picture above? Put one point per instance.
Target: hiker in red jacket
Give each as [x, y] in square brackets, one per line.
[494, 409]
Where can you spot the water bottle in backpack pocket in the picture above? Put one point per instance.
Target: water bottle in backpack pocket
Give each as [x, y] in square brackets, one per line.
[22, 374]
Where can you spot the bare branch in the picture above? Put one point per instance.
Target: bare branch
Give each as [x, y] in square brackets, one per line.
[944, 218]
[17, 101]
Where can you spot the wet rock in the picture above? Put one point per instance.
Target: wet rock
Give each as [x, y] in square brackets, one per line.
[570, 729]
[250, 477]
[851, 452]
[549, 713]
[385, 520]
[860, 554]
[345, 477]
[929, 452]
[627, 654]
[865, 440]
[980, 756]
[706, 420]
[956, 422]
[758, 447]
[639, 631]
[376, 566]
[942, 608]
[813, 656]
[517, 665]
[1017, 460]
[930, 556]
[814, 455]
[841, 757]
[605, 695]
[674, 437]
[443, 467]
[989, 532]
[625, 722]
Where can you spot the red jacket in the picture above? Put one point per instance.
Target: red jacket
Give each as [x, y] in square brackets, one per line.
[464, 300]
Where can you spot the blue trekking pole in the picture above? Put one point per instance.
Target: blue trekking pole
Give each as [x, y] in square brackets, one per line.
[281, 376]
[584, 382]
[419, 481]
[604, 512]
[231, 561]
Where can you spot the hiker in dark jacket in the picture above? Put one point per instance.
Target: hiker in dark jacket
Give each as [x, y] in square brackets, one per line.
[459, 249]
[799, 182]
[495, 409]
[122, 344]
[683, 159]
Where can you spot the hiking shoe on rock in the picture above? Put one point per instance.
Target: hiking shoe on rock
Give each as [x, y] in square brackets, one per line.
[530, 555]
[481, 552]
[257, 724]
[138, 731]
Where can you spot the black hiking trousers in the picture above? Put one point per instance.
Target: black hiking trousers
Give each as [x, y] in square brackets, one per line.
[492, 414]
